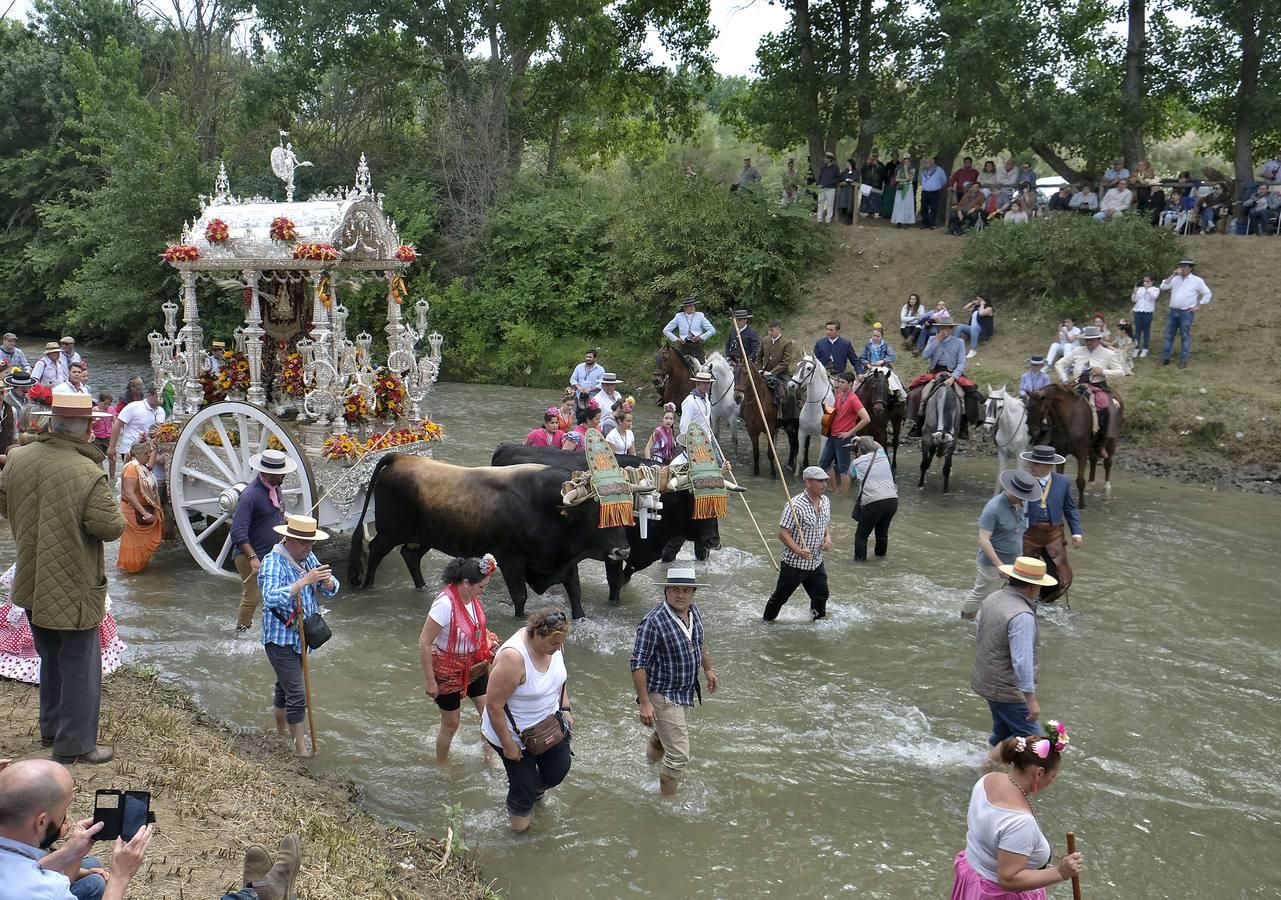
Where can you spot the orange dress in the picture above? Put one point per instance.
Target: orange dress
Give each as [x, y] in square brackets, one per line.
[139, 541]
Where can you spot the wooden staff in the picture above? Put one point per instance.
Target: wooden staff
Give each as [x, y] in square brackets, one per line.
[1076, 879]
[746, 506]
[306, 676]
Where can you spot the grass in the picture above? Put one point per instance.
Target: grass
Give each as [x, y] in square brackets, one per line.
[215, 792]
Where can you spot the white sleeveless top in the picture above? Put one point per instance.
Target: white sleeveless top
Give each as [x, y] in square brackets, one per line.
[993, 828]
[534, 700]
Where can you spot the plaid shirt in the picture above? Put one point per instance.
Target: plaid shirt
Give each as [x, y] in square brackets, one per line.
[276, 575]
[670, 660]
[814, 525]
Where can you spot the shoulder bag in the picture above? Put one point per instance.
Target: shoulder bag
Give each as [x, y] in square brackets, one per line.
[825, 427]
[315, 629]
[544, 734]
[858, 501]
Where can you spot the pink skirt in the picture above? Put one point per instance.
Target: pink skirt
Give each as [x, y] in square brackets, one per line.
[970, 885]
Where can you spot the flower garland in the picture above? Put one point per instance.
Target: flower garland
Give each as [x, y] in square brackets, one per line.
[181, 253]
[341, 446]
[216, 232]
[406, 253]
[346, 446]
[389, 394]
[355, 408]
[316, 251]
[214, 439]
[283, 230]
[166, 433]
[234, 374]
[292, 379]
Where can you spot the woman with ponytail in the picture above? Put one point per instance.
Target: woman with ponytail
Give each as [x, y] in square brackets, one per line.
[456, 647]
[1006, 855]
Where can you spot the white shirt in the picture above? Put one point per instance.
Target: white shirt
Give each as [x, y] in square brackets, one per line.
[1007, 178]
[51, 371]
[1073, 333]
[695, 409]
[1186, 293]
[1145, 298]
[68, 388]
[1082, 359]
[991, 828]
[622, 441]
[685, 325]
[1117, 200]
[136, 419]
[442, 613]
[21, 875]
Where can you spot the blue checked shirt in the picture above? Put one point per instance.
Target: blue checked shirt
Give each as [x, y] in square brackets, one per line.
[275, 576]
[670, 659]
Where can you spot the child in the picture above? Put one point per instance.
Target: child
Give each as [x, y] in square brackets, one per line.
[1035, 378]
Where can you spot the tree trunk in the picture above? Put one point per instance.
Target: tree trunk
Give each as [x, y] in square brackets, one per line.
[1042, 149]
[863, 81]
[553, 146]
[1132, 88]
[1247, 88]
[809, 80]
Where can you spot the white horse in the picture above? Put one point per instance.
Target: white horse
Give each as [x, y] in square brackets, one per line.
[813, 393]
[721, 397]
[1006, 423]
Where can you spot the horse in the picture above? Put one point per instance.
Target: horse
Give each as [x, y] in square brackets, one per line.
[672, 375]
[1006, 425]
[883, 407]
[814, 393]
[1059, 416]
[938, 435]
[756, 425]
[725, 408]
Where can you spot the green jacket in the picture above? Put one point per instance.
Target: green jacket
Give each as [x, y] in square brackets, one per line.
[55, 495]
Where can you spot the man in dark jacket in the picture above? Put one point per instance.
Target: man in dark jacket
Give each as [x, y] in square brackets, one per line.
[835, 352]
[740, 352]
[252, 528]
[55, 495]
[873, 176]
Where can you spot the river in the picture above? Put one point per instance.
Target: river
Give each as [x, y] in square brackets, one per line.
[837, 758]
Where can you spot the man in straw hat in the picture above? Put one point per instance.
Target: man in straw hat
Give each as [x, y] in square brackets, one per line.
[666, 657]
[55, 494]
[51, 369]
[805, 529]
[1054, 506]
[258, 513]
[289, 578]
[1005, 665]
[1187, 292]
[1001, 527]
[689, 329]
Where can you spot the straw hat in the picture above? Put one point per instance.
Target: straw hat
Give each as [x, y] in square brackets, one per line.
[944, 322]
[1031, 571]
[303, 528]
[610, 378]
[72, 406]
[51, 346]
[1036, 360]
[272, 462]
[1091, 333]
[703, 376]
[681, 577]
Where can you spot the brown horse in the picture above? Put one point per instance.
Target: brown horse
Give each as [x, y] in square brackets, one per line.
[1059, 416]
[751, 413]
[884, 408]
[671, 376]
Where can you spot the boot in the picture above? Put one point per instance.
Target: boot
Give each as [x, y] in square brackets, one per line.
[99, 754]
[297, 731]
[257, 864]
[278, 883]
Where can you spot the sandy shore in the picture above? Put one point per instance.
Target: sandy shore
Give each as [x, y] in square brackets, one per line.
[215, 792]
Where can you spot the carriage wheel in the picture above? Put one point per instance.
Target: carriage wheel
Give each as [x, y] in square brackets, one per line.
[210, 467]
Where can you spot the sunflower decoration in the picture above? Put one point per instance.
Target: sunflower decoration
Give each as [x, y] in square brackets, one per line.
[166, 433]
[214, 439]
[275, 443]
[217, 232]
[341, 446]
[389, 394]
[355, 408]
[292, 379]
[181, 253]
[282, 229]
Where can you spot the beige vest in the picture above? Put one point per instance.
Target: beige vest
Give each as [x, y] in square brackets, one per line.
[993, 675]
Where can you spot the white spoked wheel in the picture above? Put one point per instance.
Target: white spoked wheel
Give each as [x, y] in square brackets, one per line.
[210, 468]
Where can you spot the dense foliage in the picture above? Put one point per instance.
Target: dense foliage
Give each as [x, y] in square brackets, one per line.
[1065, 264]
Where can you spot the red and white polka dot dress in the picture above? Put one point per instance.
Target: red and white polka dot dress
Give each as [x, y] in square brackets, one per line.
[18, 657]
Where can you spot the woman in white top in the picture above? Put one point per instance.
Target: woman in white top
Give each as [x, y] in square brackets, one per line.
[912, 310]
[1006, 855]
[527, 686]
[1065, 341]
[621, 438]
[876, 498]
[456, 647]
[1144, 297]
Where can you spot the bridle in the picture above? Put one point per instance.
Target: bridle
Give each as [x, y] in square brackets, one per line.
[992, 422]
[878, 405]
[810, 366]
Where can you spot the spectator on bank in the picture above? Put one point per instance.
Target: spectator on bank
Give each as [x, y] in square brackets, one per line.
[1027, 175]
[1066, 340]
[791, 183]
[829, 176]
[989, 180]
[1115, 174]
[1178, 210]
[1262, 210]
[873, 177]
[904, 184]
[982, 320]
[908, 318]
[1215, 208]
[876, 498]
[749, 177]
[1144, 306]
[265, 880]
[1115, 202]
[1062, 199]
[969, 210]
[1016, 215]
[1007, 181]
[1085, 200]
[1271, 171]
[963, 177]
[933, 181]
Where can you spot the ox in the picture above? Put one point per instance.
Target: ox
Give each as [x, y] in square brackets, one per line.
[514, 512]
[665, 536]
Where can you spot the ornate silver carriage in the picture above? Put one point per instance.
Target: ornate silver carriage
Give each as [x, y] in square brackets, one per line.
[326, 405]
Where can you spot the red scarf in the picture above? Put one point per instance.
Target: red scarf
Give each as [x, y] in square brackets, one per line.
[452, 666]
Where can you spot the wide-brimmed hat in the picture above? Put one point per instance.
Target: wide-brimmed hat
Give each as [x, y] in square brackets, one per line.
[51, 346]
[302, 528]
[944, 322]
[1036, 360]
[742, 314]
[1020, 484]
[681, 577]
[72, 406]
[1187, 261]
[688, 301]
[1044, 455]
[272, 462]
[814, 473]
[1091, 333]
[20, 378]
[610, 378]
[702, 375]
[1030, 570]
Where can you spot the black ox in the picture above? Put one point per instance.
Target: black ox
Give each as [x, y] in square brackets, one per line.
[665, 537]
[514, 512]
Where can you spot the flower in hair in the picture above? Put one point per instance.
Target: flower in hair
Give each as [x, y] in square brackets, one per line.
[669, 407]
[1054, 729]
[1020, 744]
[488, 565]
[553, 410]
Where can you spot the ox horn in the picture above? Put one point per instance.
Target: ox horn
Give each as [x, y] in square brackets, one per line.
[577, 490]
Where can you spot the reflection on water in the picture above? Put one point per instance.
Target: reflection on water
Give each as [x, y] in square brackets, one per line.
[837, 759]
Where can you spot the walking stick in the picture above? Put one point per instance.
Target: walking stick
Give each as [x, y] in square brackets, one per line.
[746, 506]
[1076, 879]
[306, 676]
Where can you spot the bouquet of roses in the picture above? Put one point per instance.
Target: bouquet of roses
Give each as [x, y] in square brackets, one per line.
[292, 379]
[217, 231]
[356, 408]
[181, 253]
[316, 251]
[389, 394]
[282, 229]
[340, 446]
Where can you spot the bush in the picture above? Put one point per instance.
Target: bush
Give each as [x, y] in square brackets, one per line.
[1065, 264]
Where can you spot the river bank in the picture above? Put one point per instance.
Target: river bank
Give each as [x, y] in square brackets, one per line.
[215, 791]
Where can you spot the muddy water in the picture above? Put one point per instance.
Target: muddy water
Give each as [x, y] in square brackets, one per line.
[837, 759]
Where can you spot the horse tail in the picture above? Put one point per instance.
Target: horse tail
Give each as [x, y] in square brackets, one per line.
[358, 557]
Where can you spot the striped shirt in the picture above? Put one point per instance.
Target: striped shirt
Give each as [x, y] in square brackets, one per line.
[276, 576]
[814, 524]
[669, 657]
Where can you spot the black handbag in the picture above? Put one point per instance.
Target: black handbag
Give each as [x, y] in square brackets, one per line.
[316, 631]
[858, 501]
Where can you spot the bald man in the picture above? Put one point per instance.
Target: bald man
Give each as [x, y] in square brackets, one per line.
[35, 795]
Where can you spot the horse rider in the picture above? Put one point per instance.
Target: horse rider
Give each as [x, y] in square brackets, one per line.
[586, 381]
[775, 359]
[1056, 505]
[947, 353]
[836, 353]
[1091, 365]
[689, 330]
[744, 343]
[879, 356]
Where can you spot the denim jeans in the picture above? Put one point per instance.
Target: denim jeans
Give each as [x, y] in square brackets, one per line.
[91, 887]
[1142, 330]
[1179, 320]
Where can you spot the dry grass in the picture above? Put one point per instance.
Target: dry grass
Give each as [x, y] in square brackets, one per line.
[1230, 387]
[214, 793]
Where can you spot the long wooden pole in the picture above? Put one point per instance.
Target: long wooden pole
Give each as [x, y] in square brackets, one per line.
[1076, 879]
[768, 552]
[306, 676]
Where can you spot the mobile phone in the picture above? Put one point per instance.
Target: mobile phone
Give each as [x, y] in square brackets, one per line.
[122, 813]
[136, 813]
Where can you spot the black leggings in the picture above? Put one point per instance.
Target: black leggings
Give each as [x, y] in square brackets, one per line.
[876, 517]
